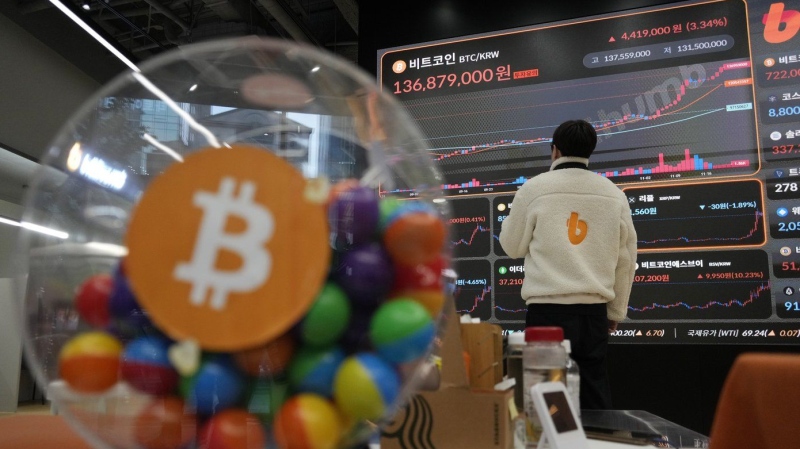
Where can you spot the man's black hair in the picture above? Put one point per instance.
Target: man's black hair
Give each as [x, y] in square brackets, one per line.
[575, 138]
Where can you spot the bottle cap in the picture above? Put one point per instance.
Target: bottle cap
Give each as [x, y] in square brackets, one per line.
[544, 333]
[516, 338]
[567, 346]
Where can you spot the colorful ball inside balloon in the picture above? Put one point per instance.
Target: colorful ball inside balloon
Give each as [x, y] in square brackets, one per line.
[420, 276]
[217, 385]
[387, 208]
[402, 330]
[130, 317]
[308, 421]
[366, 386]
[270, 359]
[353, 216]
[396, 208]
[146, 366]
[415, 237]
[89, 362]
[328, 317]
[92, 299]
[422, 282]
[165, 423]
[432, 300]
[233, 428]
[313, 370]
[341, 186]
[265, 396]
[365, 274]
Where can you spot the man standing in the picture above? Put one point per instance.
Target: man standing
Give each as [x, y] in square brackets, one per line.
[575, 231]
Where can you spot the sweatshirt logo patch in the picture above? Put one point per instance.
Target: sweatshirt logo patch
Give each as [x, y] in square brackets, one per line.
[576, 229]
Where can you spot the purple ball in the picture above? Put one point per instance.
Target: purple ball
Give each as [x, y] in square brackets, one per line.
[353, 217]
[365, 273]
[124, 307]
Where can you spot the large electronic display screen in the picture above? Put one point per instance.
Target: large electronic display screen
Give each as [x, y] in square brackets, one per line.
[697, 110]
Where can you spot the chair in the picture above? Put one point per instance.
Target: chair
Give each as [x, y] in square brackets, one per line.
[758, 406]
[32, 431]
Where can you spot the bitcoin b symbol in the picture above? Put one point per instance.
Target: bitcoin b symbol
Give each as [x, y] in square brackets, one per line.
[237, 264]
[201, 271]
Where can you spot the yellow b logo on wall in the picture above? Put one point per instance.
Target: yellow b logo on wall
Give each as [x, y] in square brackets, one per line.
[226, 249]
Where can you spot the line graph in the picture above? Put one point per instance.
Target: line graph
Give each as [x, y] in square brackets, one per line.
[702, 215]
[473, 290]
[702, 285]
[508, 277]
[471, 229]
[754, 294]
[648, 123]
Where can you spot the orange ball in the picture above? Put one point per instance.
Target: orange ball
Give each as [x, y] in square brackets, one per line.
[89, 362]
[340, 187]
[415, 237]
[269, 359]
[308, 421]
[432, 300]
[165, 424]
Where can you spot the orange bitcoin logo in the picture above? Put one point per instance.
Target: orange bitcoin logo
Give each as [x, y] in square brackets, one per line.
[773, 20]
[576, 229]
[226, 249]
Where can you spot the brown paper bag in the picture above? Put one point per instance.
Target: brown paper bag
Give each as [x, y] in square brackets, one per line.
[455, 416]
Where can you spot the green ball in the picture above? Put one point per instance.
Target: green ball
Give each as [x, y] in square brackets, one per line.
[265, 396]
[401, 330]
[328, 317]
[386, 209]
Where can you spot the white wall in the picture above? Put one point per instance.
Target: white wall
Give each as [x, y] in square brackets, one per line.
[39, 91]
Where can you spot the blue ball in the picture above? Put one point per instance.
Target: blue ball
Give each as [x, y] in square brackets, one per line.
[215, 386]
[146, 366]
[312, 370]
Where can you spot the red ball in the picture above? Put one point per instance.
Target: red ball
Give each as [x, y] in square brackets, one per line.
[91, 299]
[422, 276]
[165, 424]
[233, 429]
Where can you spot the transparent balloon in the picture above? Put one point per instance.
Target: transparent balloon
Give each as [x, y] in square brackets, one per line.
[239, 245]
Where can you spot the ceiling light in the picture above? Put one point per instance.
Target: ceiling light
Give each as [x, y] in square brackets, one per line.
[68, 12]
[34, 227]
[86, 6]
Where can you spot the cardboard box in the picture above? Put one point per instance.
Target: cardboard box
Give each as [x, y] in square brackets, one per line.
[484, 343]
[455, 416]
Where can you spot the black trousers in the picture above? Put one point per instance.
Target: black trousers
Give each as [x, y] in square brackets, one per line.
[586, 328]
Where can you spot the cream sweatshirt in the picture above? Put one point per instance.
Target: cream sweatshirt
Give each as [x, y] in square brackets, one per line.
[575, 230]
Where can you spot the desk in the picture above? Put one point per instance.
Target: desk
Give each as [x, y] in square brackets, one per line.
[639, 420]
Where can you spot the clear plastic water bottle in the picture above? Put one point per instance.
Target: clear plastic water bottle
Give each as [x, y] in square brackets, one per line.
[543, 360]
[573, 378]
[516, 345]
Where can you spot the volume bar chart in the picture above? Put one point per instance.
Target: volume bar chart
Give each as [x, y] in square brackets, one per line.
[688, 164]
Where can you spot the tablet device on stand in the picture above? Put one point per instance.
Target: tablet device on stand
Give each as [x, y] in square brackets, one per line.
[561, 427]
